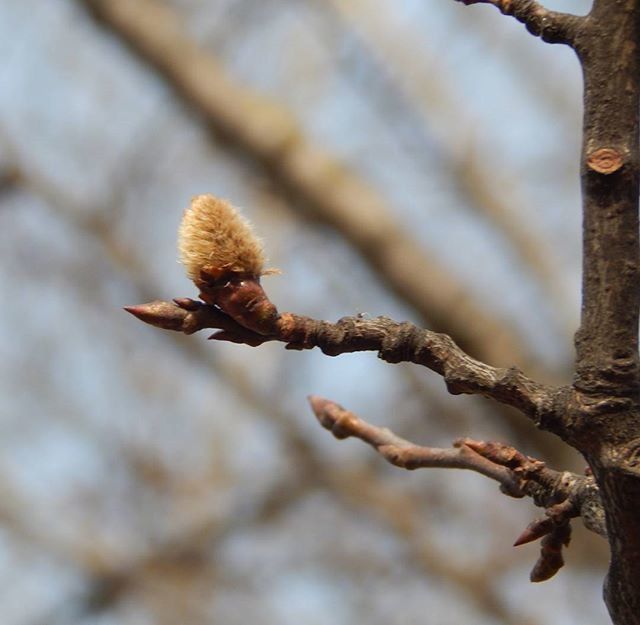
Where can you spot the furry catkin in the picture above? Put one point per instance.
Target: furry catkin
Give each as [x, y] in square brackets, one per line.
[213, 236]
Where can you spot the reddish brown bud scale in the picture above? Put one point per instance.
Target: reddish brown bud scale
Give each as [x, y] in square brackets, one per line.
[245, 301]
[536, 529]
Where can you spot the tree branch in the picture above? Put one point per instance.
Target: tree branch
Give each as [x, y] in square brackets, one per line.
[395, 342]
[607, 342]
[564, 495]
[550, 26]
[605, 412]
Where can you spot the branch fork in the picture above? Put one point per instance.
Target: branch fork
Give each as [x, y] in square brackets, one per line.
[561, 494]
[237, 307]
[225, 261]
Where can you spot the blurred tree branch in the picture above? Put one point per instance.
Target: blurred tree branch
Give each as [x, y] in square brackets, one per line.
[418, 82]
[327, 189]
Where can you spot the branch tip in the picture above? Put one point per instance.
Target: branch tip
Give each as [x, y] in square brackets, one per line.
[319, 405]
[535, 530]
[164, 315]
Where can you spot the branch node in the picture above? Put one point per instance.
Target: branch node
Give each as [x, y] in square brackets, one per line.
[551, 560]
[606, 160]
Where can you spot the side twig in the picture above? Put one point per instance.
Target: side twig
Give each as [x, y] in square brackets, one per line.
[550, 26]
[564, 495]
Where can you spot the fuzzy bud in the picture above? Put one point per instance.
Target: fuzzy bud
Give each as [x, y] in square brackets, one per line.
[214, 238]
[224, 258]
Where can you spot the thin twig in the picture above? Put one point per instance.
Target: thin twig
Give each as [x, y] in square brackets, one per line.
[564, 495]
[395, 342]
[404, 454]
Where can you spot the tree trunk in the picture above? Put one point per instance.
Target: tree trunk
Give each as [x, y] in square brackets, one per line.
[604, 417]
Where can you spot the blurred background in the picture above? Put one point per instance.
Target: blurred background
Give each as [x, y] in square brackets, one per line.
[417, 159]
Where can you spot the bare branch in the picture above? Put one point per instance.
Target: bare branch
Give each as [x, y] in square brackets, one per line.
[399, 511]
[395, 342]
[404, 454]
[564, 495]
[550, 26]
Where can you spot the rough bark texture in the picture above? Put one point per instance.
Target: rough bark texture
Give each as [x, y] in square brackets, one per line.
[603, 420]
[393, 341]
[602, 416]
[607, 345]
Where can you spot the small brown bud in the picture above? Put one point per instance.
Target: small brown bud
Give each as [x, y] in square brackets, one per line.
[245, 301]
[536, 529]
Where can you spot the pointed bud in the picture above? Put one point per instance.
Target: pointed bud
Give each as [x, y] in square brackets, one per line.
[160, 314]
[536, 529]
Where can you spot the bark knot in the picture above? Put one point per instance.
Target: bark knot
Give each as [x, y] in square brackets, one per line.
[605, 160]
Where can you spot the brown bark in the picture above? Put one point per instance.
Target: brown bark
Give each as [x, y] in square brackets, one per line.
[602, 418]
[395, 342]
[605, 415]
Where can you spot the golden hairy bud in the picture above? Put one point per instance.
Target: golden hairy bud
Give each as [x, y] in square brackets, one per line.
[224, 258]
[214, 238]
